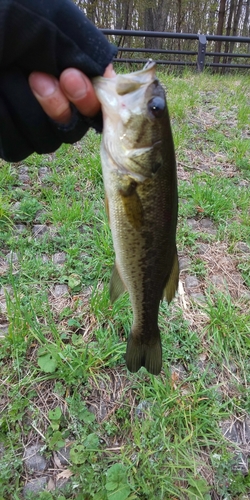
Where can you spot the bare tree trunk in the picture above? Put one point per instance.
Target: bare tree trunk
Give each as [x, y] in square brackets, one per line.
[246, 24]
[220, 28]
[150, 43]
[155, 16]
[235, 26]
[228, 28]
[178, 22]
[211, 9]
[125, 8]
[91, 10]
[118, 15]
[123, 11]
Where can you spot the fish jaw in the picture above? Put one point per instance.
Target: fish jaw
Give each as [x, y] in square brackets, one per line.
[107, 89]
[128, 134]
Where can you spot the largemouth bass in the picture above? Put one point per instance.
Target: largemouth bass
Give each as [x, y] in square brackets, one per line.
[139, 172]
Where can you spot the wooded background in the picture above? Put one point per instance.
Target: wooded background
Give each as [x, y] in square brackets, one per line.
[220, 17]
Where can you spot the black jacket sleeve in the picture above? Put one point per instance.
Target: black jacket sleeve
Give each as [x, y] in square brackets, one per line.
[48, 36]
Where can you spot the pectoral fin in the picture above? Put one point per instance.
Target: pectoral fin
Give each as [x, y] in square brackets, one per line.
[134, 210]
[173, 280]
[116, 287]
[131, 201]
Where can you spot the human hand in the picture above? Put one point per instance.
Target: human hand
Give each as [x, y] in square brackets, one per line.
[53, 39]
[74, 87]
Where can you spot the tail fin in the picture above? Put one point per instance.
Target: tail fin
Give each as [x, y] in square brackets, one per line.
[141, 354]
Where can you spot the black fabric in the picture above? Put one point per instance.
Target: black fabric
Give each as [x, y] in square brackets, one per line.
[48, 36]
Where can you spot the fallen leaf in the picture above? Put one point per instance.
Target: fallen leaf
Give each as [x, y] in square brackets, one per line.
[65, 474]
[51, 485]
[57, 461]
[200, 210]
[203, 356]
[174, 379]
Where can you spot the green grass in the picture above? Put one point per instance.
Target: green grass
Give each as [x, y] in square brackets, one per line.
[62, 369]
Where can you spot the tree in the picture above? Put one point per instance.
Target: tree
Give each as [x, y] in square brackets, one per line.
[246, 23]
[237, 13]
[230, 17]
[220, 28]
[155, 17]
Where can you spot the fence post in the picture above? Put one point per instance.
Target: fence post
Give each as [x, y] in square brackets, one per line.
[201, 53]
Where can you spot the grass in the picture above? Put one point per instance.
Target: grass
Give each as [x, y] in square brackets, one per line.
[63, 376]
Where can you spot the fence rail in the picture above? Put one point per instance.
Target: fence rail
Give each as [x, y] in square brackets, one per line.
[201, 53]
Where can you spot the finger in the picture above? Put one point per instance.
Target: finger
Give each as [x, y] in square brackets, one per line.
[109, 71]
[79, 90]
[47, 91]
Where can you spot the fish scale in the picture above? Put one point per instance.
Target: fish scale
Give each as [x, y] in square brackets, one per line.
[139, 173]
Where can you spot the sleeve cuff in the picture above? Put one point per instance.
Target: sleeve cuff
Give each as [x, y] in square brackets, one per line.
[77, 127]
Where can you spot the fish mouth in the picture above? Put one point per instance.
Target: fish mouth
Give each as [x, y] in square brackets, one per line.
[149, 64]
[127, 83]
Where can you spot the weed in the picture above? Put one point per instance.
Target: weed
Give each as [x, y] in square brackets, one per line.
[63, 376]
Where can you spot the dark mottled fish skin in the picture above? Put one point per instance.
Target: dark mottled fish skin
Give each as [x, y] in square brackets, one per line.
[139, 171]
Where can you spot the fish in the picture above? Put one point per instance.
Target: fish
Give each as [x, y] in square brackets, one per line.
[140, 183]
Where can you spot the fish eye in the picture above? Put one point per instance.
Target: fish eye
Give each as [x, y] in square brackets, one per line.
[157, 106]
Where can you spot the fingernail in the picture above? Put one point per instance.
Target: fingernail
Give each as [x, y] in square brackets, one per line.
[75, 85]
[109, 71]
[43, 85]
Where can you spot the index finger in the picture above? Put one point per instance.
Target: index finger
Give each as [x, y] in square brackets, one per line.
[78, 88]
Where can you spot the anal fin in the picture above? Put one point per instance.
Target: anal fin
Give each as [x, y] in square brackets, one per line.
[116, 287]
[172, 284]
